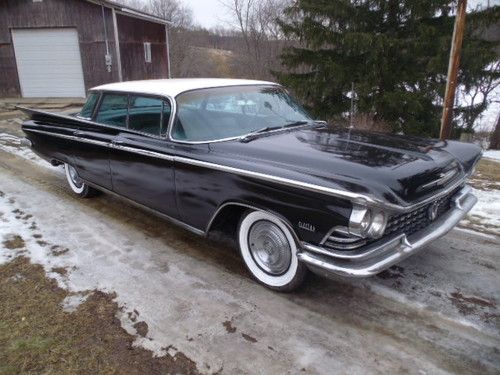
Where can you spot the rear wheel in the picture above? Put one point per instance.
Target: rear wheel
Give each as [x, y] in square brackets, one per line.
[269, 251]
[77, 185]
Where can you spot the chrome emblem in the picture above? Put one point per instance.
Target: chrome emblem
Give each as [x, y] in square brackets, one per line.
[432, 211]
[307, 226]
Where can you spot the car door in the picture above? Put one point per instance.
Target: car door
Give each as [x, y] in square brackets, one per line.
[142, 167]
[90, 148]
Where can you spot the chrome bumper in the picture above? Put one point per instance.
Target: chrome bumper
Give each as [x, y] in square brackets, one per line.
[377, 257]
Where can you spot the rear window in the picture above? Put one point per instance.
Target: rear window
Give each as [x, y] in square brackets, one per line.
[88, 108]
[113, 110]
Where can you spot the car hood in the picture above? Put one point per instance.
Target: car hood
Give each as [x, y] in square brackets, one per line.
[397, 169]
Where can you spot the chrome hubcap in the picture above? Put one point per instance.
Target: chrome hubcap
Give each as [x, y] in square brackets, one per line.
[269, 247]
[74, 177]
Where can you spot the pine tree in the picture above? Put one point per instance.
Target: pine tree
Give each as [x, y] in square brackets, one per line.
[394, 52]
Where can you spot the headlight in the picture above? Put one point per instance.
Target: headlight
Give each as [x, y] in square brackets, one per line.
[366, 223]
[377, 225]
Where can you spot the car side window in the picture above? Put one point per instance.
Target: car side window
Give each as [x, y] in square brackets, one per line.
[145, 114]
[113, 110]
[88, 108]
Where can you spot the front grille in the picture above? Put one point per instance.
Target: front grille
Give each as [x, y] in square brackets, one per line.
[418, 219]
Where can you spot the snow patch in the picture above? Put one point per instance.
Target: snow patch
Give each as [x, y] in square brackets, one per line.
[71, 302]
[12, 144]
[492, 154]
[486, 212]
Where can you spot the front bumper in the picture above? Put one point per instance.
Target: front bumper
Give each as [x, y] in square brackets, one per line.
[372, 259]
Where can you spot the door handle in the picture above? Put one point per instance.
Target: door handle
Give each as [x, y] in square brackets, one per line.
[117, 142]
[78, 133]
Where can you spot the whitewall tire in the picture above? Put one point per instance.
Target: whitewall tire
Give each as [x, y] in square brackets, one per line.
[269, 251]
[77, 185]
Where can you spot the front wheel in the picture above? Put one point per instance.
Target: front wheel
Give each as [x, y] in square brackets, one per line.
[77, 185]
[269, 251]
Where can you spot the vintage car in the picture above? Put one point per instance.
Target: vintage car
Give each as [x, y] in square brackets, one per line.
[244, 157]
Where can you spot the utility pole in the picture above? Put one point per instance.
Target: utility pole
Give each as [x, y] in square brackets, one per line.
[451, 82]
[352, 106]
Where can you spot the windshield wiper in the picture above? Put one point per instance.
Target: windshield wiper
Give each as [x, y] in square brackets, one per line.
[295, 123]
[249, 136]
[252, 135]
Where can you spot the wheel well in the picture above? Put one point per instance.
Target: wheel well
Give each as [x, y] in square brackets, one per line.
[227, 219]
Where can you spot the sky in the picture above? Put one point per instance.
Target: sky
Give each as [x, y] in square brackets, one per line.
[209, 13]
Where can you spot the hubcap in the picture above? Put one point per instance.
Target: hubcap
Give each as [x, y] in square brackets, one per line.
[269, 247]
[74, 177]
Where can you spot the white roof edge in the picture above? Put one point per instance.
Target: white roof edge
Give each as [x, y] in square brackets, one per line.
[175, 86]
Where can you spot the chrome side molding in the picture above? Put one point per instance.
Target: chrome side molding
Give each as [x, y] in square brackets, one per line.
[362, 199]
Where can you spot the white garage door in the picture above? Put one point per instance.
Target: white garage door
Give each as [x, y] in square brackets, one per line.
[48, 62]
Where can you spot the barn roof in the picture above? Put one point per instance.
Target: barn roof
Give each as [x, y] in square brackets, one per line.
[129, 11]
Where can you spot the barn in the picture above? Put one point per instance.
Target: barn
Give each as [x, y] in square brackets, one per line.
[61, 48]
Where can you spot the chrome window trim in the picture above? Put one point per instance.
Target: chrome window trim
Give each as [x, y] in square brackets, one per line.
[219, 139]
[129, 94]
[92, 122]
[354, 197]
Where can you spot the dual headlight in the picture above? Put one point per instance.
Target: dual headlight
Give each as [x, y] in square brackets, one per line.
[367, 223]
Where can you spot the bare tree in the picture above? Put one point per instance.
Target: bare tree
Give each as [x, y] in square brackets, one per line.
[263, 42]
[477, 96]
[173, 11]
[495, 136]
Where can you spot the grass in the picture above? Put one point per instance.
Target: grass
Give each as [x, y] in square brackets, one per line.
[38, 337]
[487, 176]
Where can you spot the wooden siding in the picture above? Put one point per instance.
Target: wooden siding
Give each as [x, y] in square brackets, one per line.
[87, 18]
[133, 33]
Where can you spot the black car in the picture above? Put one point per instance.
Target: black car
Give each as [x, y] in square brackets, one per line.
[244, 157]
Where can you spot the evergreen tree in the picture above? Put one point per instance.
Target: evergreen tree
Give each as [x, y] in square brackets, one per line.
[395, 52]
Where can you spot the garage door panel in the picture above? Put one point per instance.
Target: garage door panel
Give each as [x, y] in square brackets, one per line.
[49, 62]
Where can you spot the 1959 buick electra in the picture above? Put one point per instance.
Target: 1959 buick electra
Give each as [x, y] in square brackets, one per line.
[243, 157]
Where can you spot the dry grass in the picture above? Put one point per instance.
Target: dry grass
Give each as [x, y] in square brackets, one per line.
[38, 336]
[487, 175]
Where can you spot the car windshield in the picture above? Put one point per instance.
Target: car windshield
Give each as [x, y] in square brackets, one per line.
[227, 112]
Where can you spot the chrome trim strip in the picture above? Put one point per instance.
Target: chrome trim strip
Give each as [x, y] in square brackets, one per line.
[152, 154]
[355, 197]
[71, 137]
[440, 181]
[150, 210]
[380, 256]
[107, 144]
[281, 180]
[346, 246]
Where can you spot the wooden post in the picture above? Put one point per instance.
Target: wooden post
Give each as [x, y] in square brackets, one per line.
[451, 82]
[167, 44]
[117, 46]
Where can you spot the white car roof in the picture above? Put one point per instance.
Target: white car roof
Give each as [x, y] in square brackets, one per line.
[175, 86]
